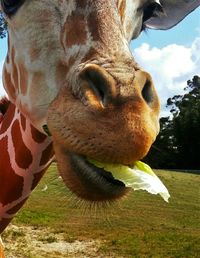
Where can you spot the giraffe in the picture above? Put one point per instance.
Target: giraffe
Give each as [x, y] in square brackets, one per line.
[17, 133]
[75, 91]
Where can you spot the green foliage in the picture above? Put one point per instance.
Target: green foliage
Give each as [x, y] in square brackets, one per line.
[163, 153]
[2, 26]
[178, 143]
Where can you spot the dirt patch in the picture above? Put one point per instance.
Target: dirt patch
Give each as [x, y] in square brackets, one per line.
[30, 242]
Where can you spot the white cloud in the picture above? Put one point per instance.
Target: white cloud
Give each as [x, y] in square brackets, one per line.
[170, 66]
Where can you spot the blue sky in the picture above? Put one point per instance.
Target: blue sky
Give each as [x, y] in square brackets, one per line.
[172, 57]
[3, 47]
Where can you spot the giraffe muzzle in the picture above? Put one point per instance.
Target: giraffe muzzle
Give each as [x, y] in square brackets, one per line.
[117, 125]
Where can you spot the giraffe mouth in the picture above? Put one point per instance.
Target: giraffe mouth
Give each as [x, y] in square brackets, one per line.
[95, 174]
[99, 185]
[86, 180]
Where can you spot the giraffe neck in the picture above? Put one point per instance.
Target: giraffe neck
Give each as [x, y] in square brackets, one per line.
[25, 154]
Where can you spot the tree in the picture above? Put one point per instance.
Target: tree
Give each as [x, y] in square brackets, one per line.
[162, 153]
[2, 26]
[186, 126]
[178, 144]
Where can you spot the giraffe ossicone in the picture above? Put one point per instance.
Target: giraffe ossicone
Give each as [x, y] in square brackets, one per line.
[69, 68]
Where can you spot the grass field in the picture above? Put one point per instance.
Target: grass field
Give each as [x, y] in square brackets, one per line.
[141, 225]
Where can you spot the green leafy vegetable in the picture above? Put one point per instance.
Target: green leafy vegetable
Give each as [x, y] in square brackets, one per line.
[138, 177]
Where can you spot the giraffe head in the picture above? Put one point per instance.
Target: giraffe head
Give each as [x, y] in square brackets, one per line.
[69, 66]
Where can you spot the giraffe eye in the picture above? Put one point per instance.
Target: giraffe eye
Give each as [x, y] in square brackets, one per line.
[10, 7]
[152, 10]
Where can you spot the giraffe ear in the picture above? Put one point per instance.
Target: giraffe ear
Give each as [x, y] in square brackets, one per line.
[174, 12]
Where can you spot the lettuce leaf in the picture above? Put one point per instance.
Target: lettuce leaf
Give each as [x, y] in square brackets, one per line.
[138, 177]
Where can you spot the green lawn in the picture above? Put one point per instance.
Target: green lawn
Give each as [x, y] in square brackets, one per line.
[141, 225]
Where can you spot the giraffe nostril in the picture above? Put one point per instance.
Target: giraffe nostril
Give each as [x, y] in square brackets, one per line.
[97, 83]
[100, 82]
[144, 86]
[147, 92]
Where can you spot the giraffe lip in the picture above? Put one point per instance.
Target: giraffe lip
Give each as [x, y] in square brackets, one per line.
[86, 180]
[89, 169]
[98, 184]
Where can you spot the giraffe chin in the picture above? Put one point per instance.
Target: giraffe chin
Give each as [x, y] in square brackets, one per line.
[85, 180]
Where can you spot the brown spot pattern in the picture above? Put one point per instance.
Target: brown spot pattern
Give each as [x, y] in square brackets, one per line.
[37, 136]
[122, 9]
[23, 78]
[22, 153]
[23, 122]
[4, 104]
[17, 207]
[8, 118]
[75, 30]
[12, 182]
[47, 154]
[94, 30]
[9, 85]
[7, 59]
[4, 223]
[37, 178]
[14, 69]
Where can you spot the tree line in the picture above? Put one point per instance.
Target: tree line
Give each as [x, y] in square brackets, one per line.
[178, 144]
